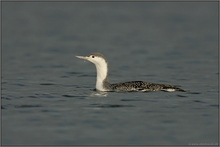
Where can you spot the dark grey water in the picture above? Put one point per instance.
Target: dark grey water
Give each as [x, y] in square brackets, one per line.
[47, 93]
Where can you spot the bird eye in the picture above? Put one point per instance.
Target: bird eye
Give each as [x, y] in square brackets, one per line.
[93, 56]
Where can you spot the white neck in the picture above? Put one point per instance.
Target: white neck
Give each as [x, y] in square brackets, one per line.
[102, 73]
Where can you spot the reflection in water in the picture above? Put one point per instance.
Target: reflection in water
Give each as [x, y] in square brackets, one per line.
[99, 94]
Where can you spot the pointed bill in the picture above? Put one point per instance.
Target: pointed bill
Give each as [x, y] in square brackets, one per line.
[82, 57]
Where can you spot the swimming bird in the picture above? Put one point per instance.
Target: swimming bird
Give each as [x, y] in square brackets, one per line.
[102, 82]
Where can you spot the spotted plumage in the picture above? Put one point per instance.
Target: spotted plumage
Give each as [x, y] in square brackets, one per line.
[142, 86]
[102, 83]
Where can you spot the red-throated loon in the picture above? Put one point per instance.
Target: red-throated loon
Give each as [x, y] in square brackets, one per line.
[102, 83]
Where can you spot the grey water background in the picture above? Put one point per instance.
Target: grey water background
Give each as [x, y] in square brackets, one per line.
[48, 95]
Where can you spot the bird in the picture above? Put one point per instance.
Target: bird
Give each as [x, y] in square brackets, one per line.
[103, 84]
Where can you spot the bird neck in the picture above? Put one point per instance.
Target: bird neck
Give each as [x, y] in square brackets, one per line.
[102, 75]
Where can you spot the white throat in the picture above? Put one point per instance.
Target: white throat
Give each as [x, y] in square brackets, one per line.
[102, 73]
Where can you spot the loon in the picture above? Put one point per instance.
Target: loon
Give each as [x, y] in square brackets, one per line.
[102, 82]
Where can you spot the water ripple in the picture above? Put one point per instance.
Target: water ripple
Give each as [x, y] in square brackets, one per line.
[181, 95]
[214, 106]
[198, 101]
[43, 95]
[66, 95]
[73, 96]
[46, 84]
[27, 106]
[110, 105]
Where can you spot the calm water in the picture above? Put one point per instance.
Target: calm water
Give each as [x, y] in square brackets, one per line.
[48, 95]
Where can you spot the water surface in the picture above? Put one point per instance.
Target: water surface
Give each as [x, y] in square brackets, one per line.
[48, 95]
